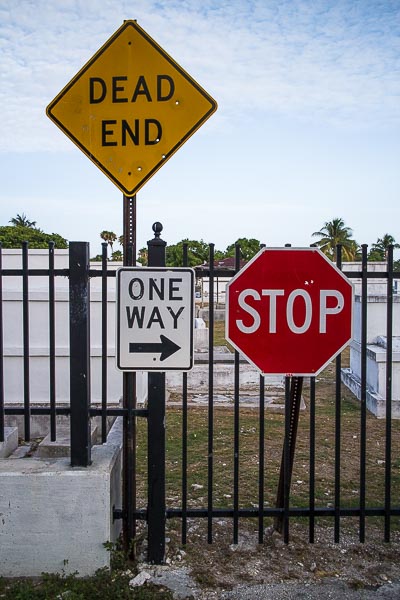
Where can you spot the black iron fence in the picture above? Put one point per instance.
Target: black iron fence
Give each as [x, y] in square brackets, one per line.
[284, 510]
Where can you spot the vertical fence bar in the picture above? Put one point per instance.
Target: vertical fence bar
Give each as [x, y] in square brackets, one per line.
[185, 263]
[104, 342]
[79, 332]
[286, 463]
[129, 462]
[338, 370]
[236, 429]
[311, 525]
[363, 414]
[389, 373]
[25, 329]
[156, 468]
[52, 344]
[261, 451]
[156, 513]
[2, 419]
[210, 465]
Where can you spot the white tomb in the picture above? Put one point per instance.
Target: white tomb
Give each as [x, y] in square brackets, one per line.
[376, 355]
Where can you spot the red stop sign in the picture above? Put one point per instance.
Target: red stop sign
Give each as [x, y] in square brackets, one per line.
[289, 311]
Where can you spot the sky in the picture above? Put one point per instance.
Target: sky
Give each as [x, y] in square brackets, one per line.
[307, 127]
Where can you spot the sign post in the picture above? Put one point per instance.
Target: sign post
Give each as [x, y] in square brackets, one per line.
[129, 109]
[155, 319]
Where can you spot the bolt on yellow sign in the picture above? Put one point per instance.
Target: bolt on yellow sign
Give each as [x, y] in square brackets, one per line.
[130, 107]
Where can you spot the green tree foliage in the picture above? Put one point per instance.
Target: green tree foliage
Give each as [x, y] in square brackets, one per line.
[333, 233]
[198, 253]
[142, 256]
[23, 230]
[110, 237]
[117, 255]
[380, 248]
[248, 248]
[22, 221]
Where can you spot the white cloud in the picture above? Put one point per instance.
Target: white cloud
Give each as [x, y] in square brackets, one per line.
[335, 61]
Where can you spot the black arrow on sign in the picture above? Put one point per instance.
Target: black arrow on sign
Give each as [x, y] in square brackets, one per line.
[166, 346]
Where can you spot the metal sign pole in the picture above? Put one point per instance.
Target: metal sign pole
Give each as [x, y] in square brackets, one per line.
[289, 447]
[129, 397]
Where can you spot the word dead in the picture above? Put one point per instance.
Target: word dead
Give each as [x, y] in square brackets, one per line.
[122, 90]
[276, 300]
[147, 316]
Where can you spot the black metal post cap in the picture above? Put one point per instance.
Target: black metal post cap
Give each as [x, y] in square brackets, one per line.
[157, 228]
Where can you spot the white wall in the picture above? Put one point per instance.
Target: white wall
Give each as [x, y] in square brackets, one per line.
[376, 287]
[39, 332]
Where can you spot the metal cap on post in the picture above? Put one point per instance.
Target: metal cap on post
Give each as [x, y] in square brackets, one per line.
[156, 247]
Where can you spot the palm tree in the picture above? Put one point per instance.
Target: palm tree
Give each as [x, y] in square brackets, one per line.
[333, 233]
[22, 221]
[379, 250]
[109, 237]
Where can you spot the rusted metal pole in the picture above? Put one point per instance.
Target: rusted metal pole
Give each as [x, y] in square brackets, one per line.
[129, 398]
[289, 447]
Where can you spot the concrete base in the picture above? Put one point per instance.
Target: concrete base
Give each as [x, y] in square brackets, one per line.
[376, 404]
[10, 442]
[376, 375]
[62, 446]
[56, 518]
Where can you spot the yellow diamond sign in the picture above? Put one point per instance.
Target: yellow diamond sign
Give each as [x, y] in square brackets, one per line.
[131, 107]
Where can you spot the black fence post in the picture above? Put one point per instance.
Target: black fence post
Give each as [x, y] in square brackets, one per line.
[79, 331]
[156, 513]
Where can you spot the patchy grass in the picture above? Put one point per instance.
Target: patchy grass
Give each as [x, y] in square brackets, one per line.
[249, 428]
[102, 586]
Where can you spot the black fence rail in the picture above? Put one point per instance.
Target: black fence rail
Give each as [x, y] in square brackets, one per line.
[81, 410]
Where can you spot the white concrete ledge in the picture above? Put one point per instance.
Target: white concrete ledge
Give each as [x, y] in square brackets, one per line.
[376, 404]
[54, 517]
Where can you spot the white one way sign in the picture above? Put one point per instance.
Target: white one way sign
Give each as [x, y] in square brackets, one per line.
[155, 319]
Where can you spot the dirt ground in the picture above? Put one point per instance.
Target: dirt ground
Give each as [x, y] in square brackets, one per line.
[222, 566]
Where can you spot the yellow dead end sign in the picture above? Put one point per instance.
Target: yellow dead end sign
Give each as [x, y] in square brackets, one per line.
[131, 107]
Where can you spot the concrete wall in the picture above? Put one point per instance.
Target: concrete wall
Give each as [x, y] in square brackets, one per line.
[54, 517]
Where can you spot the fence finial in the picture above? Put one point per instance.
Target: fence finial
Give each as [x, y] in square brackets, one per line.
[157, 228]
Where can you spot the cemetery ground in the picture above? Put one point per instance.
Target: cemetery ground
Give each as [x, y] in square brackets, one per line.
[223, 565]
[211, 570]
